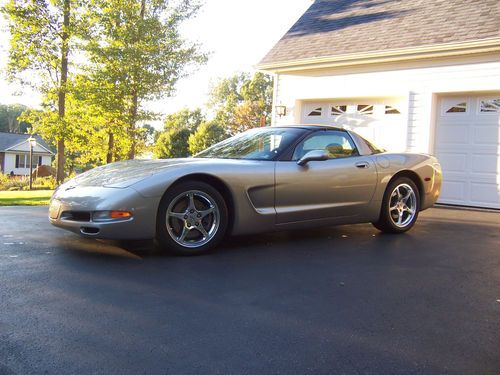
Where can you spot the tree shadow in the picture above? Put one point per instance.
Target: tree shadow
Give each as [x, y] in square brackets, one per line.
[318, 18]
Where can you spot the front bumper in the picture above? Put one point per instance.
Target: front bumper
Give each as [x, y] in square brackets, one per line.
[86, 200]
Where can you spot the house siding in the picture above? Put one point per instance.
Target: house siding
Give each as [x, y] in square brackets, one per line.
[10, 163]
[2, 159]
[416, 84]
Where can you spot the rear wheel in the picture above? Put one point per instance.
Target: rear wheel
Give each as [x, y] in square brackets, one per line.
[400, 206]
[192, 218]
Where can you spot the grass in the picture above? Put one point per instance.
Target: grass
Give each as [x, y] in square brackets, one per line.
[25, 198]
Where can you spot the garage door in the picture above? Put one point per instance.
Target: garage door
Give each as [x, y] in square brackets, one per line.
[468, 145]
[379, 120]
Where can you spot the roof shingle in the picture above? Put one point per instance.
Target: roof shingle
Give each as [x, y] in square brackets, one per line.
[8, 140]
[338, 27]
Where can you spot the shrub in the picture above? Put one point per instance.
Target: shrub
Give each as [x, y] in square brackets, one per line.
[45, 183]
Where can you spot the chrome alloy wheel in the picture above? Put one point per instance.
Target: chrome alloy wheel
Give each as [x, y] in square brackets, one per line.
[402, 205]
[193, 218]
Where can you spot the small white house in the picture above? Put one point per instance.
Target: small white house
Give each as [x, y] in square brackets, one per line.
[14, 153]
[419, 76]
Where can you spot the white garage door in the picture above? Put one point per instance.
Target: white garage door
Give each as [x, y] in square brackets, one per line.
[468, 147]
[379, 120]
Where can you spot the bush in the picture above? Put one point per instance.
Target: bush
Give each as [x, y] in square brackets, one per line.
[4, 179]
[45, 183]
[207, 134]
[16, 183]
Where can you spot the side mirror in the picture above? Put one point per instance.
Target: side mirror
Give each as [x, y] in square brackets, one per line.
[314, 155]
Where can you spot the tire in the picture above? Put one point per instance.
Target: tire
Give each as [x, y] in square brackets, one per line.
[400, 206]
[192, 219]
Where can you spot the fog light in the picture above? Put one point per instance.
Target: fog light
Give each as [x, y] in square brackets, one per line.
[110, 215]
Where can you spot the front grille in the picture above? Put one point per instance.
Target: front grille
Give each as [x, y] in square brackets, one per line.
[76, 216]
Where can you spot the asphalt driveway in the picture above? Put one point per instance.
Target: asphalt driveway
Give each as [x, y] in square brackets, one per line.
[335, 300]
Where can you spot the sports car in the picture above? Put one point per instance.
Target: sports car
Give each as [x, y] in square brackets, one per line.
[265, 179]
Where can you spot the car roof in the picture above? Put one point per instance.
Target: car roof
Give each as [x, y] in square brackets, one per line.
[312, 127]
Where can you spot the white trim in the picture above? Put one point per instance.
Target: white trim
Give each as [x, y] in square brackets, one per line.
[374, 57]
[11, 148]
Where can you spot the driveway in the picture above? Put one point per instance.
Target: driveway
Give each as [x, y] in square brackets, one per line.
[336, 300]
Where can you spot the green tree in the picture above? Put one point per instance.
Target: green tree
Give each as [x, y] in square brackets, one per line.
[207, 134]
[242, 102]
[172, 143]
[137, 51]
[184, 119]
[41, 32]
[9, 118]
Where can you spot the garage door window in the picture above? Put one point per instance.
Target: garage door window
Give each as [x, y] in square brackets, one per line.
[389, 110]
[338, 110]
[459, 107]
[316, 112]
[489, 105]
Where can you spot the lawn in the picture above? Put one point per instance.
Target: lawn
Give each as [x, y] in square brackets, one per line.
[25, 198]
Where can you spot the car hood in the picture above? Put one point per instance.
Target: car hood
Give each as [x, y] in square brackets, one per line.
[124, 173]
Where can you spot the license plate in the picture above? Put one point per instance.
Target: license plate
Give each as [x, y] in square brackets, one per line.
[54, 208]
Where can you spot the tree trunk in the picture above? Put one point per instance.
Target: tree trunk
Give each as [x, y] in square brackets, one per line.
[135, 100]
[62, 90]
[111, 144]
[131, 128]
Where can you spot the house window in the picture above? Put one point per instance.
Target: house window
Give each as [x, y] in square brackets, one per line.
[365, 109]
[316, 112]
[22, 161]
[489, 105]
[389, 110]
[457, 108]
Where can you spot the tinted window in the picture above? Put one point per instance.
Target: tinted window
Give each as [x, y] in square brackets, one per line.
[255, 144]
[337, 143]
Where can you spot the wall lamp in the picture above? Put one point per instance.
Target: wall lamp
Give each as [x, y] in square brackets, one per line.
[280, 110]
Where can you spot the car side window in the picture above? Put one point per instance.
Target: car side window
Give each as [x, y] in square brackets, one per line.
[337, 143]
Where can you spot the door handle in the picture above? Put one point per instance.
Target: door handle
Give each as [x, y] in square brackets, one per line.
[362, 164]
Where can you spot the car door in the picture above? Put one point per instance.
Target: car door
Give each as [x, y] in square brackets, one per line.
[341, 186]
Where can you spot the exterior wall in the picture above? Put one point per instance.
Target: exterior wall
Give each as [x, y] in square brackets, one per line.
[10, 164]
[417, 84]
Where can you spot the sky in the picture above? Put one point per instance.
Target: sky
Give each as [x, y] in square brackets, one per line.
[237, 33]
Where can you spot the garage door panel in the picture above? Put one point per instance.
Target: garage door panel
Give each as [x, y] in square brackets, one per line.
[453, 134]
[484, 163]
[485, 193]
[487, 135]
[453, 192]
[453, 161]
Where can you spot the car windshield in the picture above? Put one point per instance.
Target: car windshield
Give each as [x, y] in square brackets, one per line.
[254, 144]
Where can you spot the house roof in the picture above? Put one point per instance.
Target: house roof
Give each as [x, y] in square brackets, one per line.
[9, 140]
[333, 28]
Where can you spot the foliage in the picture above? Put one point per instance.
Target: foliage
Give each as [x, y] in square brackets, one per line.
[40, 183]
[41, 35]
[44, 183]
[207, 134]
[242, 102]
[25, 198]
[138, 54]
[9, 118]
[172, 143]
[184, 119]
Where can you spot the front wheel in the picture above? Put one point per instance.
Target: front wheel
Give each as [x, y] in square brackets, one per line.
[400, 207]
[192, 218]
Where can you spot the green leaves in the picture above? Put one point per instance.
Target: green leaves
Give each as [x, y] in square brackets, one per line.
[241, 102]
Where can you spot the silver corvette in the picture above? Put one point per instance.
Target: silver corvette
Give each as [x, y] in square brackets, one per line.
[265, 179]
